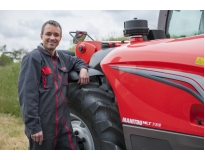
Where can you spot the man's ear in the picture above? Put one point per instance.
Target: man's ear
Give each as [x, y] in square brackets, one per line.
[41, 36]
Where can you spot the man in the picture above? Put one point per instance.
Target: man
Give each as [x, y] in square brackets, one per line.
[42, 88]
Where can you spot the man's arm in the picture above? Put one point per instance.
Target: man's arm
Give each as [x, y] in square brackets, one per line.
[83, 76]
[28, 83]
[79, 65]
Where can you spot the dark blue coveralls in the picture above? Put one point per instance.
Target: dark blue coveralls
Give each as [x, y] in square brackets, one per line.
[42, 94]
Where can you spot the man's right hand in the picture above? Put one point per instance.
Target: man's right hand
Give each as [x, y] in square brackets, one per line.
[38, 137]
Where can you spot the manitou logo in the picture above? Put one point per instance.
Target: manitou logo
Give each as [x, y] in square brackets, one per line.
[140, 122]
[132, 121]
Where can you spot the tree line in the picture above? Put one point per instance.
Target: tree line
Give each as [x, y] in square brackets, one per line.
[8, 57]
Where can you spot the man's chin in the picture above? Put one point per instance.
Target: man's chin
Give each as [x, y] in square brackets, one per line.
[51, 48]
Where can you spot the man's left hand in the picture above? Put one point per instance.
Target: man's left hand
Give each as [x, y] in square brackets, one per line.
[83, 77]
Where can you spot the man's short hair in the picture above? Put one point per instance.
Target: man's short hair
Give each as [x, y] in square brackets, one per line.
[51, 22]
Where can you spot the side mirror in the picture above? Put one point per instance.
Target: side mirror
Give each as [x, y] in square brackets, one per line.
[79, 36]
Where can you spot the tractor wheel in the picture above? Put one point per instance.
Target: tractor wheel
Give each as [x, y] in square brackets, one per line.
[95, 118]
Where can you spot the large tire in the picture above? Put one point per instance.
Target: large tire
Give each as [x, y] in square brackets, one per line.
[94, 117]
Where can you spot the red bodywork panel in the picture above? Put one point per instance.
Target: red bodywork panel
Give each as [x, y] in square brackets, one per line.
[157, 83]
[90, 47]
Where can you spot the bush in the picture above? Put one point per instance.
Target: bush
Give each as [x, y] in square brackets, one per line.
[5, 60]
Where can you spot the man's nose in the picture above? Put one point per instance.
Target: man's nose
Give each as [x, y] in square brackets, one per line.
[52, 37]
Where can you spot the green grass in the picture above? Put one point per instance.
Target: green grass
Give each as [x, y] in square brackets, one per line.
[11, 124]
[9, 103]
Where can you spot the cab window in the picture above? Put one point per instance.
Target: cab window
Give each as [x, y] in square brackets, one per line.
[184, 23]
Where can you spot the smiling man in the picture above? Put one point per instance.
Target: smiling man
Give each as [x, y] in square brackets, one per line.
[42, 90]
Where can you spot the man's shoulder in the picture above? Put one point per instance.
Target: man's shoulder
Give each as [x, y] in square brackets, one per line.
[34, 54]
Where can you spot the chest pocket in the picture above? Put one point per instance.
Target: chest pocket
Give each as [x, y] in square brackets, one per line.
[63, 75]
[47, 77]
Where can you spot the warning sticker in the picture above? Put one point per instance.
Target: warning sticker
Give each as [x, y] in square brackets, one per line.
[200, 61]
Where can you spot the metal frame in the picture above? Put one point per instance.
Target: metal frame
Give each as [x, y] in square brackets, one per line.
[83, 34]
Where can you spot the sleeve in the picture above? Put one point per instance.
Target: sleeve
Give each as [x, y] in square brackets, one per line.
[75, 63]
[28, 83]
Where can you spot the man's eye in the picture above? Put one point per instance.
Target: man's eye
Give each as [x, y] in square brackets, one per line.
[48, 34]
[56, 35]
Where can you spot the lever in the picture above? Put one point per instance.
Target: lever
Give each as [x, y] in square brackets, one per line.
[199, 121]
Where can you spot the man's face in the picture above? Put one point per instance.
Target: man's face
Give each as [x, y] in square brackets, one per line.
[51, 37]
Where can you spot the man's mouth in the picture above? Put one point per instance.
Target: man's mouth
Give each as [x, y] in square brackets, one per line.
[51, 43]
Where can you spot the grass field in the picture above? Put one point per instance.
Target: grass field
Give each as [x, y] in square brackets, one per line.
[9, 103]
[11, 125]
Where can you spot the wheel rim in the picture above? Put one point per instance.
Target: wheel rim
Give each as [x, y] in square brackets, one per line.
[82, 132]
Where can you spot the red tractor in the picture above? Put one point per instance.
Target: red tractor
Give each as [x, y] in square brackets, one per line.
[145, 93]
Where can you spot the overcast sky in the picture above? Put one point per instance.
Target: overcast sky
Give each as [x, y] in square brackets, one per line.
[22, 28]
[20, 23]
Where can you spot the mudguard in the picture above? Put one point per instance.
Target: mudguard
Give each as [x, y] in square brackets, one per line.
[73, 75]
[69, 52]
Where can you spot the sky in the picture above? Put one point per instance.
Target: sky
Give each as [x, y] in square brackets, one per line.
[21, 28]
[21, 22]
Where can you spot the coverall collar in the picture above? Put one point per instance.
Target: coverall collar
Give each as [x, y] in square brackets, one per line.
[47, 53]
